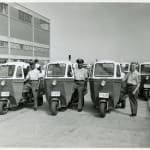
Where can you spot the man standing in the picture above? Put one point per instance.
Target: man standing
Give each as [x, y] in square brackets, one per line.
[33, 76]
[132, 80]
[81, 76]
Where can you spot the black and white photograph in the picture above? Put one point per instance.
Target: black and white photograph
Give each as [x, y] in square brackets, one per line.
[74, 74]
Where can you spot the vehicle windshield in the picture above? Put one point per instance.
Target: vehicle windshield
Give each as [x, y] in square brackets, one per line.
[56, 70]
[104, 69]
[7, 71]
[145, 69]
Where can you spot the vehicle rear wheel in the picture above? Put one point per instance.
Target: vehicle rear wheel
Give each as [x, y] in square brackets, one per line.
[54, 108]
[40, 101]
[123, 104]
[3, 107]
[102, 109]
[146, 95]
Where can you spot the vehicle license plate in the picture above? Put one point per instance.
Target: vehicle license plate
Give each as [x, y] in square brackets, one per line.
[147, 86]
[55, 93]
[4, 94]
[103, 95]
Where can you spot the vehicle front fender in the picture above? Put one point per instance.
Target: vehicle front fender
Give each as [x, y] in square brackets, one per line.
[5, 100]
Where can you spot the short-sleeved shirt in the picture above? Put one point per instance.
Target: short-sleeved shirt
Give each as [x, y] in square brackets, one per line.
[80, 74]
[33, 74]
[133, 78]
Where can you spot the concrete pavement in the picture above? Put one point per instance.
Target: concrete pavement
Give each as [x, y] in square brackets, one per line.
[27, 128]
[148, 104]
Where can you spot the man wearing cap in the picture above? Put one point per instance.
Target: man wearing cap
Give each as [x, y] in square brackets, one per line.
[132, 80]
[81, 76]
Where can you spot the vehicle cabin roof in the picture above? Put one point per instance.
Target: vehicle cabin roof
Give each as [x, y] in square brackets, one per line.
[61, 62]
[107, 61]
[17, 64]
[125, 63]
[144, 63]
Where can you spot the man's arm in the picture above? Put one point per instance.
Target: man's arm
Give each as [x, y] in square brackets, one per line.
[27, 78]
[135, 90]
[138, 85]
[86, 80]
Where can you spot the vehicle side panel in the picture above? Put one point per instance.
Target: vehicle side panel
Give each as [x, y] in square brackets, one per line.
[8, 88]
[65, 86]
[18, 86]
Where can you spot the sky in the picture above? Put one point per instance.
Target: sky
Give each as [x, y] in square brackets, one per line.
[116, 31]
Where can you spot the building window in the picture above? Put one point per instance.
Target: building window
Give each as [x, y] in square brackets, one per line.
[15, 46]
[25, 17]
[4, 8]
[21, 46]
[41, 49]
[3, 44]
[28, 47]
[44, 25]
[3, 60]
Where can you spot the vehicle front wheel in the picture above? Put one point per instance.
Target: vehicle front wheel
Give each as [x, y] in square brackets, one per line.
[146, 95]
[123, 104]
[40, 101]
[102, 109]
[54, 108]
[3, 107]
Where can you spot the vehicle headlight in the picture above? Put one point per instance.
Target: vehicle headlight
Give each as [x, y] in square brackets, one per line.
[54, 82]
[103, 83]
[3, 83]
[147, 77]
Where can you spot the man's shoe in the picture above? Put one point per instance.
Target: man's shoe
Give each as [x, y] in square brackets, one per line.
[79, 110]
[132, 115]
[35, 109]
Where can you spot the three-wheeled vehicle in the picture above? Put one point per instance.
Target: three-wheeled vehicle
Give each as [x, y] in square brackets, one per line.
[12, 75]
[59, 83]
[105, 84]
[144, 89]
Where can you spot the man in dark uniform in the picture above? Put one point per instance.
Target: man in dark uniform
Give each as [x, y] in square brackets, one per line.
[132, 80]
[81, 76]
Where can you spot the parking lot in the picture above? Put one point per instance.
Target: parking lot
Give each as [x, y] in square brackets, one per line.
[28, 128]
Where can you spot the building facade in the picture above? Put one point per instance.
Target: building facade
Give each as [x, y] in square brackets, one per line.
[24, 34]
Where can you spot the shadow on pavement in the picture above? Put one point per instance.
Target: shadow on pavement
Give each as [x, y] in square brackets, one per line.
[120, 112]
[45, 108]
[90, 108]
[21, 106]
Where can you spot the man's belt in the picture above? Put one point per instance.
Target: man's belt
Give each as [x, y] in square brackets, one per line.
[79, 80]
[129, 84]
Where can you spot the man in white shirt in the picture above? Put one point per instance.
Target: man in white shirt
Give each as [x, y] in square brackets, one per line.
[33, 78]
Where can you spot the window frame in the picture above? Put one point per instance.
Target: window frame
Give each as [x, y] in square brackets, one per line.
[4, 9]
[118, 71]
[25, 17]
[71, 71]
[3, 44]
[19, 67]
